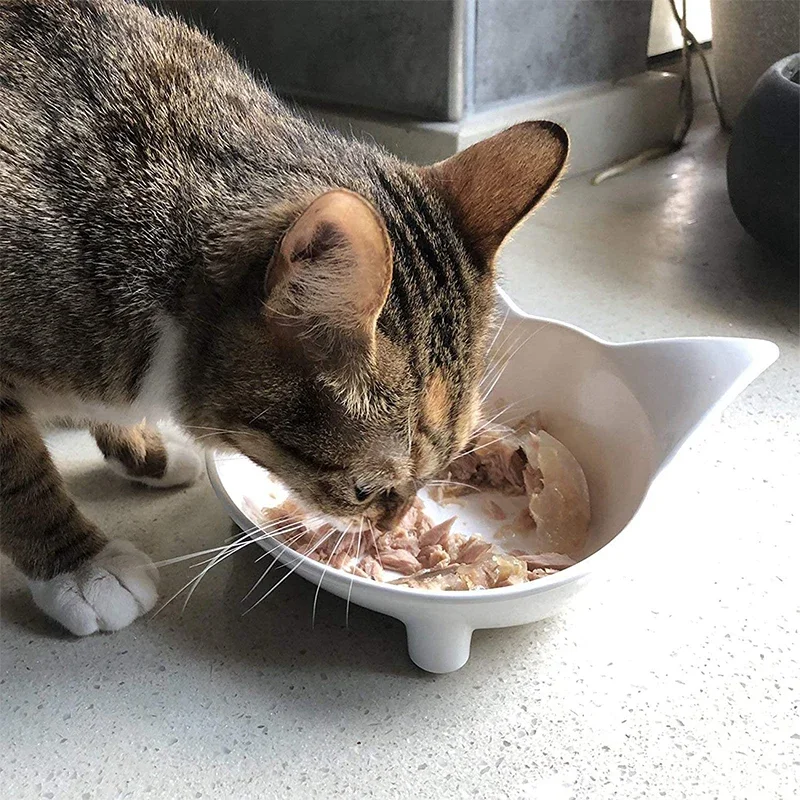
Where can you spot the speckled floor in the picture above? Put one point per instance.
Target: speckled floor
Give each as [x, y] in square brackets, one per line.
[676, 677]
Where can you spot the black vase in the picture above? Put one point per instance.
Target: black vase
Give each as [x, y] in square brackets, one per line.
[764, 160]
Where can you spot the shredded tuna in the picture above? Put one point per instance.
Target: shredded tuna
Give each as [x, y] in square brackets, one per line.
[523, 460]
[522, 524]
[552, 561]
[435, 533]
[400, 560]
[493, 510]
[493, 460]
[491, 571]
[434, 556]
[473, 550]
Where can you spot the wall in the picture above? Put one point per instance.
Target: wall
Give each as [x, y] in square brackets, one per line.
[525, 48]
[431, 59]
[390, 55]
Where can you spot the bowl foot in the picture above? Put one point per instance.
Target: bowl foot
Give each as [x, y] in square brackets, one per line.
[438, 646]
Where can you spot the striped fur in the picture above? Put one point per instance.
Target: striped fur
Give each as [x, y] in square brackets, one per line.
[147, 184]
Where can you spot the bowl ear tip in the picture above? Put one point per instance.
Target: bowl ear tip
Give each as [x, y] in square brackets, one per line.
[769, 351]
[678, 382]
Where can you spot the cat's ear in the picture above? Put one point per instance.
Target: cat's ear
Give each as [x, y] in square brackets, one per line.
[329, 279]
[492, 186]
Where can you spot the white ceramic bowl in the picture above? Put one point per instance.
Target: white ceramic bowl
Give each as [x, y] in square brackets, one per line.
[623, 409]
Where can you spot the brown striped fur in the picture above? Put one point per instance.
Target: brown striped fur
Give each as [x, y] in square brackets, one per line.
[330, 303]
[138, 448]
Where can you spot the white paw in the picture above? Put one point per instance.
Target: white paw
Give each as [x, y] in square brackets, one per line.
[105, 594]
[184, 464]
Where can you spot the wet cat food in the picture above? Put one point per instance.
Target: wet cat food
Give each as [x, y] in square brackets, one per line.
[525, 460]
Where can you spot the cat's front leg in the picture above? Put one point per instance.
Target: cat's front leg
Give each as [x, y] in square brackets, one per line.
[76, 575]
[140, 453]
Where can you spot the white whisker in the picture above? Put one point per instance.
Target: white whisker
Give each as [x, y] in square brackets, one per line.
[509, 342]
[497, 332]
[264, 574]
[193, 582]
[258, 416]
[503, 348]
[500, 413]
[451, 483]
[322, 577]
[375, 542]
[353, 577]
[508, 360]
[169, 561]
[242, 540]
[208, 428]
[307, 526]
[238, 540]
[480, 447]
[498, 365]
[290, 572]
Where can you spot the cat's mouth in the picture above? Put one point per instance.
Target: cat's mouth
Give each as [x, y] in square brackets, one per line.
[383, 515]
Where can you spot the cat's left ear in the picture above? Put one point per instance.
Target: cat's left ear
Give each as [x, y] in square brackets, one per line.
[492, 186]
[328, 281]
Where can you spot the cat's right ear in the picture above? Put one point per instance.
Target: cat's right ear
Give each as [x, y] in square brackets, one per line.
[329, 279]
[492, 186]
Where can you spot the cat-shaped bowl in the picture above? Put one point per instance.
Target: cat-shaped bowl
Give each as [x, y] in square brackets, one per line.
[624, 410]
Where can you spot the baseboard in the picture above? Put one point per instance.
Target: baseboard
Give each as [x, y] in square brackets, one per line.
[606, 122]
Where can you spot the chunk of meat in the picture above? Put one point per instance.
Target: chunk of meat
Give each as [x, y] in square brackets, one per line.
[400, 561]
[521, 524]
[433, 556]
[399, 539]
[491, 571]
[372, 568]
[560, 505]
[494, 510]
[342, 560]
[535, 574]
[434, 534]
[473, 550]
[452, 544]
[286, 512]
[550, 561]
[493, 460]
[415, 518]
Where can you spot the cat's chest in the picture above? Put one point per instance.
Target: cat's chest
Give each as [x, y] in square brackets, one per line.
[156, 398]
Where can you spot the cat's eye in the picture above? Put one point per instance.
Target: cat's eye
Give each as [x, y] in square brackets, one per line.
[363, 493]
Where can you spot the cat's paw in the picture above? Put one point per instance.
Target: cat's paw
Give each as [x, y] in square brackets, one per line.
[105, 594]
[184, 463]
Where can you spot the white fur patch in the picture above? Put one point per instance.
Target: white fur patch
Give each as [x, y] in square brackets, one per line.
[156, 399]
[184, 464]
[105, 594]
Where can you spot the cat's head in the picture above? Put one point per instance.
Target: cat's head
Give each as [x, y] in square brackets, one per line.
[355, 378]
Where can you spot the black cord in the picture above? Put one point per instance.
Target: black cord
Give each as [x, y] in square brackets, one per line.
[689, 45]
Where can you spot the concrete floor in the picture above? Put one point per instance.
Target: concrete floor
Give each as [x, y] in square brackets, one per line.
[676, 677]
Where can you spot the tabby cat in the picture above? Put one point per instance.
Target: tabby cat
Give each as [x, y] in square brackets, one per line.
[177, 244]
